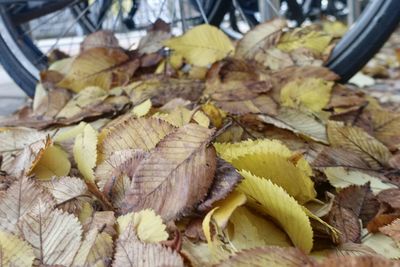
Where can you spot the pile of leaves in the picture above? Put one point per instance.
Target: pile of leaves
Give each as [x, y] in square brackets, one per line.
[207, 153]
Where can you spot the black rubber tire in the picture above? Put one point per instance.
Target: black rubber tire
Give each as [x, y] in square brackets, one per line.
[21, 76]
[363, 41]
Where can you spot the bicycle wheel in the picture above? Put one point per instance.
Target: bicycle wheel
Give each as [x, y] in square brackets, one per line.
[22, 34]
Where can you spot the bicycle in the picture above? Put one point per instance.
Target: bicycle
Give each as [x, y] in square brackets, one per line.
[23, 60]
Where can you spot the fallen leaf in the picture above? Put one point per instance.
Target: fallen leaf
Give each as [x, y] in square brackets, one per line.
[311, 93]
[315, 41]
[392, 230]
[14, 251]
[356, 140]
[391, 197]
[148, 226]
[202, 45]
[275, 202]
[142, 109]
[53, 162]
[268, 256]
[100, 39]
[96, 67]
[131, 252]
[299, 122]
[383, 245]
[249, 230]
[101, 221]
[185, 160]
[85, 152]
[339, 177]
[260, 38]
[226, 207]
[135, 134]
[96, 250]
[361, 261]
[55, 236]
[225, 180]
[17, 201]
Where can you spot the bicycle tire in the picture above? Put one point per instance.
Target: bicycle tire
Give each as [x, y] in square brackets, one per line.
[363, 41]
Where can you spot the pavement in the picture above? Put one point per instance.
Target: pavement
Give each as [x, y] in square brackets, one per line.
[11, 96]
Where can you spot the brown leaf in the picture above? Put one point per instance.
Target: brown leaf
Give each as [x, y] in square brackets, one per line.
[381, 220]
[69, 193]
[102, 221]
[361, 261]
[261, 104]
[354, 139]
[103, 67]
[268, 256]
[162, 90]
[54, 235]
[18, 200]
[392, 230]
[390, 197]
[118, 163]
[336, 157]
[346, 221]
[176, 175]
[132, 133]
[286, 75]
[100, 39]
[360, 200]
[13, 141]
[260, 38]
[130, 252]
[225, 180]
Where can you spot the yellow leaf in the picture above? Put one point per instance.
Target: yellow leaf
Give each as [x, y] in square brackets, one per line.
[89, 96]
[68, 133]
[86, 212]
[281, 172]
[85, 152]
[14, 251]
[356, 140]
[142, 109]
[250, 230]
[96, 250]
[315, 41]
[339, 177]
[272, 160]
[312, 93]
[54, 162]
[226, 207]
[335, 28]
[95, 67]
[202, 45]
[215, 114]
[147, 224]
[201, 119]
[275, 202]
